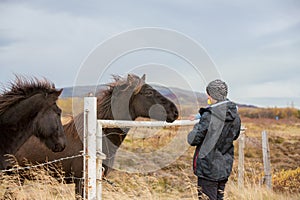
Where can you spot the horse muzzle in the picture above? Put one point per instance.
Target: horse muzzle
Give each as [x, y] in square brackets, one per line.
[172, 116]
[58, 147]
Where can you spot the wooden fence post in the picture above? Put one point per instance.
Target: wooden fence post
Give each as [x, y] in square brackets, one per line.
[266, 159]
[241, 160]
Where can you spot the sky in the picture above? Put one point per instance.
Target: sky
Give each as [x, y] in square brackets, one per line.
[254, 45]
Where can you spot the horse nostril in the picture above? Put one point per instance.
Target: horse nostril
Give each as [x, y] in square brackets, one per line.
[63, 147]
[176, 113]
[59, 147]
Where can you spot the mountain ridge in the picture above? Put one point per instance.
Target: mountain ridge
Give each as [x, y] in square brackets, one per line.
[179, 95]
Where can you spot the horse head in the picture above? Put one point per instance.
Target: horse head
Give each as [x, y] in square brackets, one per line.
[47, 124]
[132, 98]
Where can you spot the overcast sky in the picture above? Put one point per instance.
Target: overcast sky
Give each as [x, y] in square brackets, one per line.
[255, 45]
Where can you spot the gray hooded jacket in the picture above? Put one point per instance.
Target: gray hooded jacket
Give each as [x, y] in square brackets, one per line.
[213, 137]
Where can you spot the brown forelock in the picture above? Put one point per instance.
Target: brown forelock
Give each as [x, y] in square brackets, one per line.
[23, 88]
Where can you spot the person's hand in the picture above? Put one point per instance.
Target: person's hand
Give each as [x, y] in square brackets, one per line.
[192, 117]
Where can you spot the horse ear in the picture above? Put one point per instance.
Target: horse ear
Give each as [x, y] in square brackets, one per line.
[58, 92]
[130, 79]
[144, 78]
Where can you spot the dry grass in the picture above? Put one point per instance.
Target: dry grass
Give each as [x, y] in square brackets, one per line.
[42, 185]
[153, 186]
[148, 186]
[287, 181]
[176, 181]
[255, 192]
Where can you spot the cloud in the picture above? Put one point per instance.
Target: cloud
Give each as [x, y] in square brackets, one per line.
[47, 44]
[275, 26]
[274, 89]
[284, 43]
[254, 44]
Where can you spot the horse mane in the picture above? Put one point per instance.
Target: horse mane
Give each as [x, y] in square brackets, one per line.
[23, 88]
[104, 98]
[104, 101]
[74, 126]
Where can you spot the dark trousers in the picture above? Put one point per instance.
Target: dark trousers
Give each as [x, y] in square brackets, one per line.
[212, 190]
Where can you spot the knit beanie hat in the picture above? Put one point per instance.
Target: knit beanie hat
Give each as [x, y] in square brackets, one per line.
[217, 89]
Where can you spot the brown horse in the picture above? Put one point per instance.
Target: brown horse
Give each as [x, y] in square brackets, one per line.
[29, 108]
[125, 99]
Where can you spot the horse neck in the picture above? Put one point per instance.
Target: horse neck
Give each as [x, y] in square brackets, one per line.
[11, 140]
[74, 128]
[14, 139]
[104, 111]
[118, 100]
[16, 123]
[24, 111]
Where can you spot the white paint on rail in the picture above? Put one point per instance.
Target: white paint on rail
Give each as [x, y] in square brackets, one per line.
[131, 124]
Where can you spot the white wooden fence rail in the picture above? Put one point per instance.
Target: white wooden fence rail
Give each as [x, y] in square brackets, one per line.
[93, 144]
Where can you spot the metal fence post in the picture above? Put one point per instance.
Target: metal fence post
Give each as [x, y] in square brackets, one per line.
[100, 156]
[90, 122]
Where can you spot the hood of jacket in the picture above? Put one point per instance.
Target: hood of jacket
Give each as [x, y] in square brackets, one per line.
[224, 110]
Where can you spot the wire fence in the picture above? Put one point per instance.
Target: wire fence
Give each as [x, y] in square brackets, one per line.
[17, 168]
[93, 162]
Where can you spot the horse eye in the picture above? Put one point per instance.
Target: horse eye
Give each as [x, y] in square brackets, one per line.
[149, 93]
[58, 111]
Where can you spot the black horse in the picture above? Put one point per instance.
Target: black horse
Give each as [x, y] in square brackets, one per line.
[124, 99]
[29, 108]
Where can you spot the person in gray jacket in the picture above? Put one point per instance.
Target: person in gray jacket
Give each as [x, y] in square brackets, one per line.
[213, 136]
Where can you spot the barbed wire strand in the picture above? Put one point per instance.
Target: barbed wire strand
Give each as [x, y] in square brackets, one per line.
[42, 164]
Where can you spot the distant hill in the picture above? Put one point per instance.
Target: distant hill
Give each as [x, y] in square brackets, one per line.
[179, 96]
[246, 106]
[82, 91]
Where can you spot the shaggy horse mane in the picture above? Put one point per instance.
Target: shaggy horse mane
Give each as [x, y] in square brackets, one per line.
[104, 100]
[23, 88]
[132, 82]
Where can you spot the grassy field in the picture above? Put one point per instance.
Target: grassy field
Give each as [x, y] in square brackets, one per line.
[176, 180]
